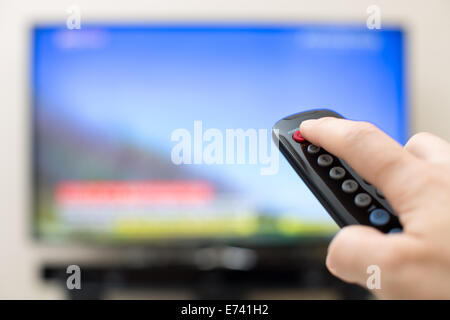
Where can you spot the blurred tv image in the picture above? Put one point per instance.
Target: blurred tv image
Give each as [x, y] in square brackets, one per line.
[107, 99]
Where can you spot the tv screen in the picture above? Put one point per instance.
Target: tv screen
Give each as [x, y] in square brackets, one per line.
[150, 133]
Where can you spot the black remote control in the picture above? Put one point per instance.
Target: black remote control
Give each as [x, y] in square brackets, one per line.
[345, 195]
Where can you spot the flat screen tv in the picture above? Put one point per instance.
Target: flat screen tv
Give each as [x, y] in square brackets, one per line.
[160, 133]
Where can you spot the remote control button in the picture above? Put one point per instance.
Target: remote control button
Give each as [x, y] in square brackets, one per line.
[362, 200]
[297, 136]
[379, 217]
[337, 173]
[378, 192]
[395, 230]
[324, 160]
[349, 186]
[313, 149]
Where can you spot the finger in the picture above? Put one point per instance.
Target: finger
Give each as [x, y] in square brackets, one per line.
[429, 147]
[356, 248]
[369, 151]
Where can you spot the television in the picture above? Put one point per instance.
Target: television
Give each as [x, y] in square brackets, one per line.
[161, 133]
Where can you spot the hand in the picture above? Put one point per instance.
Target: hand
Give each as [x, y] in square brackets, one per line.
[415, 179]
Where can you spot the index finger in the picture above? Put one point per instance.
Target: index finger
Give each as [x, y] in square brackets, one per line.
[370, 152]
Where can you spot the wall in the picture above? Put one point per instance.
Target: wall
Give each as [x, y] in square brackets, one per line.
[427, 21]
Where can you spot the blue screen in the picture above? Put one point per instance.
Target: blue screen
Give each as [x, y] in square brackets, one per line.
[108, 100]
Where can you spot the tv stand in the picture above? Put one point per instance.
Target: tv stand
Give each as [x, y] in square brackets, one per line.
[212, 284]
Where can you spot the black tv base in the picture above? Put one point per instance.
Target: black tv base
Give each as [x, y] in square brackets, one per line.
[213, 284]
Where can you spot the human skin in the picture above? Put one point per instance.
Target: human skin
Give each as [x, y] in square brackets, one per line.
[415, 179]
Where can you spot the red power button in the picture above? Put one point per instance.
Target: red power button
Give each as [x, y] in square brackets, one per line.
[297, 136]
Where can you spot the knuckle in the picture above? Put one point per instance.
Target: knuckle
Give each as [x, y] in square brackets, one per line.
[417, 139]
[365, 128]
[358, 131]
[421, 135]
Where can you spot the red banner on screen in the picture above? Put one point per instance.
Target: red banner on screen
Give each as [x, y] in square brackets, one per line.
[127, 192]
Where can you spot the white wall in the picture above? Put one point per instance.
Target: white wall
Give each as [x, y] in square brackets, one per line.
[428, 23]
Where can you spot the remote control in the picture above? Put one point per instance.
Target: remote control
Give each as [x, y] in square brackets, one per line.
[347, 197]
